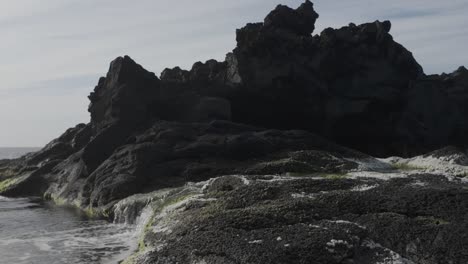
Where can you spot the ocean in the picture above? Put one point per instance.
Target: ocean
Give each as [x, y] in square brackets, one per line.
[33, 231]
[12, 153]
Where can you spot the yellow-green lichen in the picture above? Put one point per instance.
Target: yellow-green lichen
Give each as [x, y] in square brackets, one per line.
[141, 244]
[146, 230]
[406, 167]
[334, 176]
[331, 176]
[6, 184]
[432, 220]
[158, 206]
[93, 212]
[59, 200]
[10, 183]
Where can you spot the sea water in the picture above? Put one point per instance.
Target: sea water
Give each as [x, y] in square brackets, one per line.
[33, 231]
[12, 153]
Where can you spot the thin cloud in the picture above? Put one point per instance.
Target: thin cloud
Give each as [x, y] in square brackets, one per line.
[59, 86]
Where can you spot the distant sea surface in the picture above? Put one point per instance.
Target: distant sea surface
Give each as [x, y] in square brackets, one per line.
[13, 153]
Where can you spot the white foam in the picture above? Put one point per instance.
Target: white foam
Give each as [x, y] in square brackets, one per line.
[364, 187]
[42, 245]
[385, 176]
[419, 184]
[5, 199]
[303, 195]
[347, 222]
[244, 179]
[439, 165]
[336, 242]
[371, 164]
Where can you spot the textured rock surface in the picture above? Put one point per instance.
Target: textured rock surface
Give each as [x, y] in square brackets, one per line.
[435, 112]
[358, 77]
[260, 125]
[355, 77]
[172, 153]
[392, 215]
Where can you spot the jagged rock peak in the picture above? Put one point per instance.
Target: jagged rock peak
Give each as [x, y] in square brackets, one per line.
[461, 70]
[375, 32]
[123, 94]
[300, 21]
[124, 69]
[175, 74]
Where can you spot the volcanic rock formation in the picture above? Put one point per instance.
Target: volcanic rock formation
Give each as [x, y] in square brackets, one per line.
[236, 159]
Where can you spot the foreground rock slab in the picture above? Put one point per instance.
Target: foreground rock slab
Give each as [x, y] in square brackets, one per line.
[389, 214]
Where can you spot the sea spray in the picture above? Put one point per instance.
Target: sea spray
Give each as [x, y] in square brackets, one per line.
[138, 225]
[136, 211]
[129, 210]
[153, 213]
[34, 231]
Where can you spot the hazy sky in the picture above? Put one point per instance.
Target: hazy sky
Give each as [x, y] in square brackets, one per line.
[53, 51]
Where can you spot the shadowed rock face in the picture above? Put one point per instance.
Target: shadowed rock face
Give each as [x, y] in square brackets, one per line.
[268, 114]
[280, 76]
[125, 95]
[435, 112]
[355, 77]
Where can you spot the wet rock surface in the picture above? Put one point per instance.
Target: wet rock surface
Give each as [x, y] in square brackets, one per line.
[235, 161]
[316, 218]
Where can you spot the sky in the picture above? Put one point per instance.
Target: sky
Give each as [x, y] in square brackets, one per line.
[52, 52]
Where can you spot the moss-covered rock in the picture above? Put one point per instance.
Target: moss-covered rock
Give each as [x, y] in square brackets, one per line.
[282, 219]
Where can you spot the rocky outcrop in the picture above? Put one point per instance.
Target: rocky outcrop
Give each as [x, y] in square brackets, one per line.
[124, 95]
[236, 158]
[355, 76]
[382, 212]
[280, 75]
[170, 154]
[435, 112]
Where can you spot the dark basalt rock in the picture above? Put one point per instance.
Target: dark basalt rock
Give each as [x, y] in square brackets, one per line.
[170, 154]
[435, 113]
[175, 75]
[125, 95]
[300, 21]
[280, 75]
[355, 77]
[257, 220]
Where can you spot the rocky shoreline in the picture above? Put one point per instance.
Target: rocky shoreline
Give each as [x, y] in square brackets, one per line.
[252, 160]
